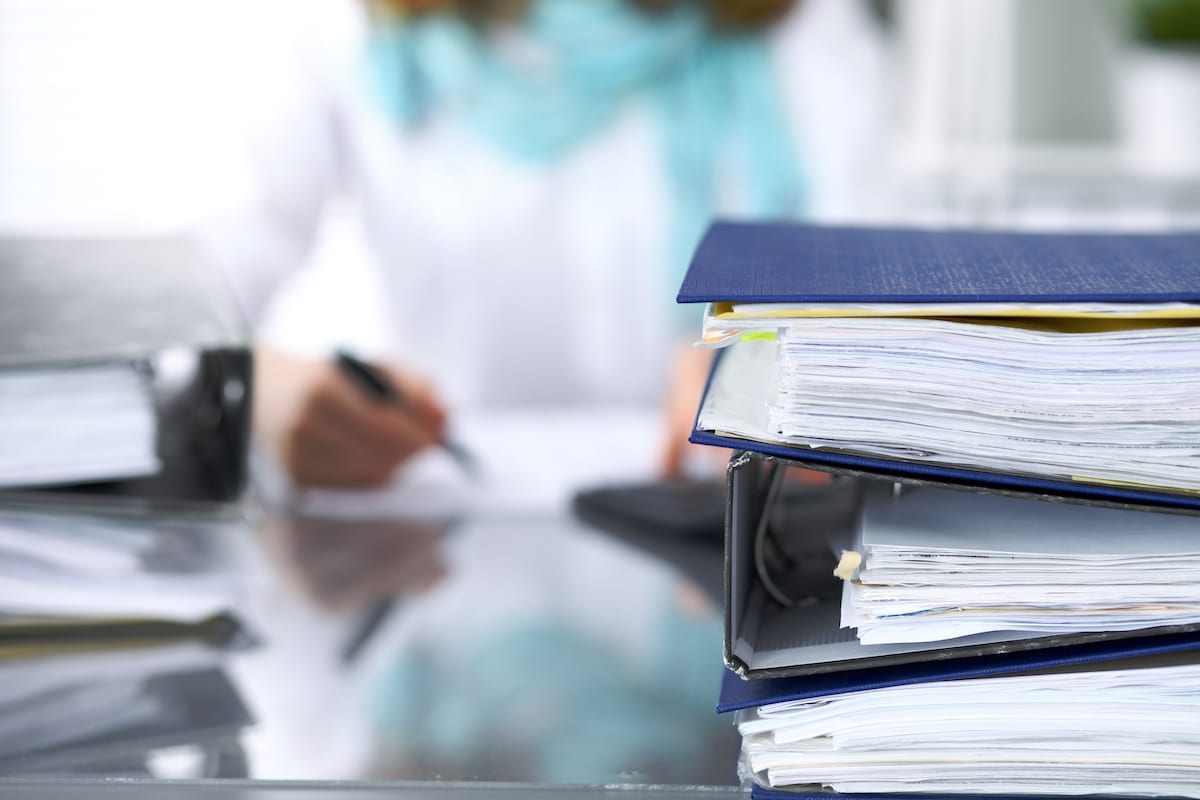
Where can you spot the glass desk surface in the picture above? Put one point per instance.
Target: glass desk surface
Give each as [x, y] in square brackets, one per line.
[503, 647]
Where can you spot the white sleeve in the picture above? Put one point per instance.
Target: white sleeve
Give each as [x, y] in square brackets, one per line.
[292, 99]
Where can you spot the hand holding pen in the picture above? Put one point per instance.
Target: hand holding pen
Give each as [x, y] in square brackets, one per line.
[332, 429]
[378, 385]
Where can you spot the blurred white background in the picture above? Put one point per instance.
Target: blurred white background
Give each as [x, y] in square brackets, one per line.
[143, 116]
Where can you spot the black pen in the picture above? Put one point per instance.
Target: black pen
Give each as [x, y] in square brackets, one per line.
[375, 383]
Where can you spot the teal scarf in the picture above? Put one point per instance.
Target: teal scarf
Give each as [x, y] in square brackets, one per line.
[715, 96]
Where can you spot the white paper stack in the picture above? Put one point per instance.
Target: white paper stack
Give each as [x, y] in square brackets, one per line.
[76, 423]
[939, 564]
[1119, 406]
[1133, 732]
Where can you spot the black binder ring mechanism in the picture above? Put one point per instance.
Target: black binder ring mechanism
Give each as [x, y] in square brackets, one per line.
[801, 576]
[764, 531]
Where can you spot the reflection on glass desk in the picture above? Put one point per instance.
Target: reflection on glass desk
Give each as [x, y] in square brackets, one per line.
[506, 644]
[104, 713]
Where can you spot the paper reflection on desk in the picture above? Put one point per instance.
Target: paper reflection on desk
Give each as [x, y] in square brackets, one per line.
[107, 712]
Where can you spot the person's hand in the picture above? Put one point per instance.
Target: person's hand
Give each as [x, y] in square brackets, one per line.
[328, 431]
[689, 374]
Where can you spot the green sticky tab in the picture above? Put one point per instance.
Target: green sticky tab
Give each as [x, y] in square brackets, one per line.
[759, 336]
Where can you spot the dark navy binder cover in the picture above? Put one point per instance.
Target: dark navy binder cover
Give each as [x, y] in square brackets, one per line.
[788, 263]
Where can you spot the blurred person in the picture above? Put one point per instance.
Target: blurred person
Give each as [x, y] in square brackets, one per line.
[532, 177]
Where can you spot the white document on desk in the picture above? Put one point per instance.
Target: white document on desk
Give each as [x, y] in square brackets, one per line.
[532, 461]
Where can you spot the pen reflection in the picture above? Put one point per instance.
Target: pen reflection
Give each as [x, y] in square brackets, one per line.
[346, 564]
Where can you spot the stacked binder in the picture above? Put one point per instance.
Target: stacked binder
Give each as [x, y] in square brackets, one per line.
[124, 373]
[124, 420]
[1008, 605]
